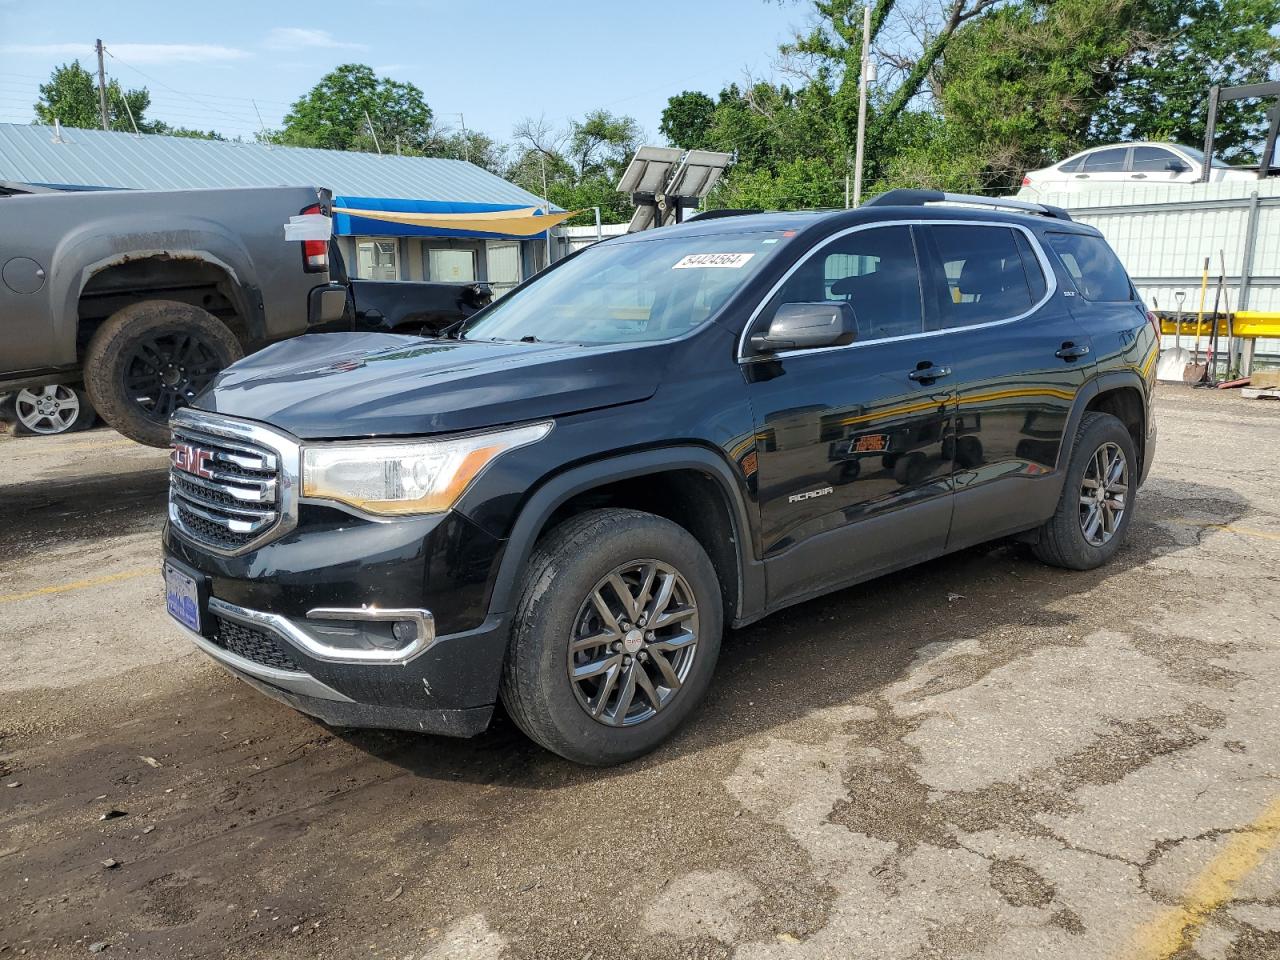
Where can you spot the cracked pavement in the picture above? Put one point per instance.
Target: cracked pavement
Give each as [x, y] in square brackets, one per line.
[981, 757]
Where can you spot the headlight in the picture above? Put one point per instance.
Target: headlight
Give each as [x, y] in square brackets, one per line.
[426, 476]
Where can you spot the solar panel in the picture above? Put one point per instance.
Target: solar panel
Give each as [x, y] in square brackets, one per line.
[664, 182]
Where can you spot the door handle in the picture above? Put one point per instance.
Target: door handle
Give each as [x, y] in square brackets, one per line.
[1072, 351]
[926, 372]
[1138, 176]
[1082, 176]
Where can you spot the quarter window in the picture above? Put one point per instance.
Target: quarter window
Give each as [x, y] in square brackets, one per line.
[874, 271]
[1093, 266]
[1072, 166]
[980, 276]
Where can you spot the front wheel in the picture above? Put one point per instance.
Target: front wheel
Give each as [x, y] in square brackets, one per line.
[150, 358]
[616, 636]
[1097, 501]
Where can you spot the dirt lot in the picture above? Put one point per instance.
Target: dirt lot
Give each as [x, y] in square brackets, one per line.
[981, 757]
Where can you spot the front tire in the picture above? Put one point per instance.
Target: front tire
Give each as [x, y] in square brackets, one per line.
[1097, 502]
[615, 636]
[150, 358]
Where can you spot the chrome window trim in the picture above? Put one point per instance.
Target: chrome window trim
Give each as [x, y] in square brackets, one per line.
[297, 637]
[1051, 287]
[288, 456]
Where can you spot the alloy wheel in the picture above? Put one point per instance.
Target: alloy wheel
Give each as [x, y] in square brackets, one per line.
[47, 410]
[1104, 494]
[633, 644]
[167, 371]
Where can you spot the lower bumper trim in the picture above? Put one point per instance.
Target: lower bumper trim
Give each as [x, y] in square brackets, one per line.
[293, 680]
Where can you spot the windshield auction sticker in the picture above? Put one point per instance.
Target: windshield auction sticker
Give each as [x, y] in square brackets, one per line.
[733, 261]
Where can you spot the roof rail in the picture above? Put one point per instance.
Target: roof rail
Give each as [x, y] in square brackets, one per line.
[717, 214]
[918, 198]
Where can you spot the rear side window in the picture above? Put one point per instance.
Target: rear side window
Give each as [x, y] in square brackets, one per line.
[979, 275]
[1151, 159]
[1106, 161]
[874, 271]
[1093, 266]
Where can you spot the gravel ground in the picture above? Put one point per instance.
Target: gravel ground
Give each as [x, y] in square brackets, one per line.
[980, 757]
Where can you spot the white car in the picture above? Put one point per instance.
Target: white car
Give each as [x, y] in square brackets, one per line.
[1125, 163]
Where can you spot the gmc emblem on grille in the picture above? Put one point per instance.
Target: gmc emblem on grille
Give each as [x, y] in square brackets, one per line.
[192, 459]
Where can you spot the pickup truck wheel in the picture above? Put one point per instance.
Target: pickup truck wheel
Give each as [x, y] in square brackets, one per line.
[1096, 506]
[150, 358]
[616, 636]
[51, 409]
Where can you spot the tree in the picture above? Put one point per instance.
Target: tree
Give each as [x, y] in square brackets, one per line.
[187, 132]
[686, 121]
[1162, 90]
[337, 113]
[71, 98]
[582, 162]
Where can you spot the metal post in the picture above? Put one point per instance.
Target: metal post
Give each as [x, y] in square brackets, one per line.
[599, 232]
[1245, 352]
[102, 87]
[1214, 92]
[862, 103]
[1269, 150]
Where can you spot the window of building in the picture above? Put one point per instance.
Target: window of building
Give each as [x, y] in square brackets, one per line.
[377, 259]
[1093, 266]
[451, 265]
[874, 271]
[503, 265]
[982, 275]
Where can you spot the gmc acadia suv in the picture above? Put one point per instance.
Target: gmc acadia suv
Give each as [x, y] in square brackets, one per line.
[562, 503]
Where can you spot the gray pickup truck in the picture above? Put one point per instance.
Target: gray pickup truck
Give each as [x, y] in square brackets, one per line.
[143, 297]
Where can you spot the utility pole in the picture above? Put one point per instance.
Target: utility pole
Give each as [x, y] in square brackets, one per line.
[102, 87]
[373, 133]
[862, 103]
[546, 204]
[466, 141]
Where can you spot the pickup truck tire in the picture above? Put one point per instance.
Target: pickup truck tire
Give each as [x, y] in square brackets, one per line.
[650, 672]
[1097, 500]
[150, 358]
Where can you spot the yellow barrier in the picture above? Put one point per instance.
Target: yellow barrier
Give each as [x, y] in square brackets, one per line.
[1248, 324]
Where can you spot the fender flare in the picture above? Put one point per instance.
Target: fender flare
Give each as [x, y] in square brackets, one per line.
[1102, 383]
[544, 501]
[97, 246]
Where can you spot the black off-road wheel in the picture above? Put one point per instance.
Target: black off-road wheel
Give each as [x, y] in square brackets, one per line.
[150, 358]
[1097, 501]
[615, 636]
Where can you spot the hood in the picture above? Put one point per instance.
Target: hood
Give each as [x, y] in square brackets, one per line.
[332, 385]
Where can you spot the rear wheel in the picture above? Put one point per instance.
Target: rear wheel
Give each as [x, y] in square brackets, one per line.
[1097, 500]
[151, 358]
[616, 636]
[51, 409]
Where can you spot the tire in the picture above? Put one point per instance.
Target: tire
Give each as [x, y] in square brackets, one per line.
[574, 561]
[51, 410]
[150, 358]
[1063, 540]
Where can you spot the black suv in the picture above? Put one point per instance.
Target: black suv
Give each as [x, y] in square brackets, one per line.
[562, 503]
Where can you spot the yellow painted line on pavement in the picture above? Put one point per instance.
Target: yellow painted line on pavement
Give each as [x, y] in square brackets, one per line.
[78, 585]
[1177, 927]
[1230, 528]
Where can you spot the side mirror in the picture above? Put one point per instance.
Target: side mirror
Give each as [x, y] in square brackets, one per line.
[803, 326]
[1176, 166]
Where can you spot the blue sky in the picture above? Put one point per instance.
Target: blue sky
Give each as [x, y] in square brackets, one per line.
[493, 62]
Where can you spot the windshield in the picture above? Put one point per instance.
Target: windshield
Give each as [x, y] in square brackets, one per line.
[627, 292]
[1198, 157]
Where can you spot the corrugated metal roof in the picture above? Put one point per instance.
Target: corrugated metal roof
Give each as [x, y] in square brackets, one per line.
[100, 158]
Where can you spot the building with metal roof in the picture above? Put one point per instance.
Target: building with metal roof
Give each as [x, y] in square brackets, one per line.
[397, 217]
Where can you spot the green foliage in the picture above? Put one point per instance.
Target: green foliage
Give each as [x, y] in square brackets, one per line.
[686, 121]
[71, 97]
[337, 112]
[187, 132]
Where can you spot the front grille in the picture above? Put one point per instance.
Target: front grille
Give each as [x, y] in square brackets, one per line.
[251, 643]
[223, 493]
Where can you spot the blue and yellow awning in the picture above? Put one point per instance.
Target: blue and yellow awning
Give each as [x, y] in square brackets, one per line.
[365, 216]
